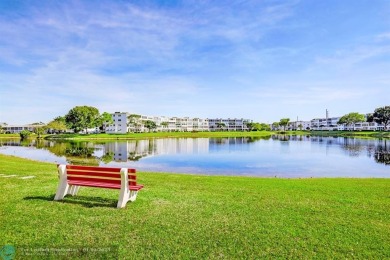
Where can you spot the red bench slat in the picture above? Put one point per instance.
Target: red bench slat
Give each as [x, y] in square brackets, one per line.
[92, 168]
[97, 174]
[105, 177]
[95, 184]
[103, 185]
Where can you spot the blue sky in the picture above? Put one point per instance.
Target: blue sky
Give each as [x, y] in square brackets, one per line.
[263, 60]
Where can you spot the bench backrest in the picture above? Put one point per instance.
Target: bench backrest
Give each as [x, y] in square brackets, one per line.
[99, 174]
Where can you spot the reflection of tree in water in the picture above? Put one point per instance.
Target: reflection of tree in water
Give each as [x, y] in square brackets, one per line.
[92, 161]
[81, 155]
[26, 142]
[108, 157]
[75, 152]
[136, 154]
[133, 156]
[256, 138]
[59, 149]
[282, 138]
[79, 151]
[382, 154]
[352, 146]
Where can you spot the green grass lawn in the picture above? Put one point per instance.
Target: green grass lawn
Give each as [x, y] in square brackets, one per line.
[359, 134]
[255, 134]
[189, 216]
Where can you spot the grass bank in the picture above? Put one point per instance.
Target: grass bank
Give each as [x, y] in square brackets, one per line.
[359, 134]
[160, 135]
[189, 216]
[9, 136]
[260, 134]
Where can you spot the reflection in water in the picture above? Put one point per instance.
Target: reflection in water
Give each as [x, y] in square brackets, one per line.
[122, 151]
[352, 146]
[382, 153]
[253, 153]
[280, 137]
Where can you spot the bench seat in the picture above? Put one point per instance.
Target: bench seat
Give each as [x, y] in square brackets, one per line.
[72, 177]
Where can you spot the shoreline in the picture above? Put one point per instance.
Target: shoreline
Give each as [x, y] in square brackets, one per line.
[254, 134]
[219, 175]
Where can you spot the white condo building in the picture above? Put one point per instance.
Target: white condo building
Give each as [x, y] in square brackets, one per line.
[331, 124]
[124, 122]
[229, 124]
[16, 129]
[299, 125]
[119, 124]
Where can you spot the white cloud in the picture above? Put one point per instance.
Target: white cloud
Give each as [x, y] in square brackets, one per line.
[199, 57]
[383, 37]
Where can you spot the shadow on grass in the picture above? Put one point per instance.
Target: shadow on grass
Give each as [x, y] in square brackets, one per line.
[88, 202]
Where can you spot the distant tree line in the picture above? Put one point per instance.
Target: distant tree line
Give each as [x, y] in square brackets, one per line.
[381, 116]
[78, 119]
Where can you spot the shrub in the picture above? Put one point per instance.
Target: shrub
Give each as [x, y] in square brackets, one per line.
[24, 134]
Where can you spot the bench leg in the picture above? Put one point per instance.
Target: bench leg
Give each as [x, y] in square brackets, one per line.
[63, 186]
[133, 195]
[62, 190]
[73, 189]
[123, 199]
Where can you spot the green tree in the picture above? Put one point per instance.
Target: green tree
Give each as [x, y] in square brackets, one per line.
[2, 127]
[82, 117]
[382, 116]
[164, 124]
[284, 122]
[149, 124]
[258, 127]
[39, 130]
[275, 125]
[351, 119]
[300, 126]
[104, 119]
[265, 127]
[134, 121]
[370, 117]
[250, 126]
[24, 134]
[57, 124]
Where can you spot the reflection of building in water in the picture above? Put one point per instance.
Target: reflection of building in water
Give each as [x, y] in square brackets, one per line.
[182, 146]
[118, 150]
[134, 150]
[355, 146]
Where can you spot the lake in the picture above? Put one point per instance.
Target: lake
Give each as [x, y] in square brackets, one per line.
[276, 156]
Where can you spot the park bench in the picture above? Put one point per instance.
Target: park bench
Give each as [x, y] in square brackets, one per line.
[72, 177]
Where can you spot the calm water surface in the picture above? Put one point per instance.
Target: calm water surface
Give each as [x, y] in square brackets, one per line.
[281, 156]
